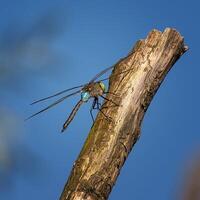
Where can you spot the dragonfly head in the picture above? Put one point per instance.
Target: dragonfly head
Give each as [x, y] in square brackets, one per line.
[85, 96]
[102, 85]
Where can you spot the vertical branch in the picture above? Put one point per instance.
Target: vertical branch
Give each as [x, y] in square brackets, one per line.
[109, 143]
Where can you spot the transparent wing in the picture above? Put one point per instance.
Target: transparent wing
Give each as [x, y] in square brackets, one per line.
[53, 104]
[107, 69]
[54, 95]
[101, 73]
[117, 74]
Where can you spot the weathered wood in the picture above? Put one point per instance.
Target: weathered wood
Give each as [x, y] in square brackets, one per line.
[108, 144]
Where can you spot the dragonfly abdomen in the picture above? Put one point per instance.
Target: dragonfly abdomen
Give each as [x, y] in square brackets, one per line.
[72, 114]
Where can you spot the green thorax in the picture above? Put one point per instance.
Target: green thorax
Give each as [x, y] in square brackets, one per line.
[102, 85]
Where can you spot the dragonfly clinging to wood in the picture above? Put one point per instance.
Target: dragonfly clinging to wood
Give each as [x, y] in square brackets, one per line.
[94, 89]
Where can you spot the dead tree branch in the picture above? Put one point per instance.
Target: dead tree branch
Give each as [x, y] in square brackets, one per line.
[109, 142]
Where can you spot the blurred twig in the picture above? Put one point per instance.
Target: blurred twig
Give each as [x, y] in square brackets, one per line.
[28, 48]
[191, 189]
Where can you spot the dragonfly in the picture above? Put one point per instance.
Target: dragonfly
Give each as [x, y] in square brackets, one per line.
[93, 89]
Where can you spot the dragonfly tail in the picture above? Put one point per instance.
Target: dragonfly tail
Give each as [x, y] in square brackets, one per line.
[71, 116]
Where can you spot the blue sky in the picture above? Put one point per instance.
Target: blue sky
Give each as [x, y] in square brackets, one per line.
[47, 46]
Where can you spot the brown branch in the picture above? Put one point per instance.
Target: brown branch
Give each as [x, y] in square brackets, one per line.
[109, 142]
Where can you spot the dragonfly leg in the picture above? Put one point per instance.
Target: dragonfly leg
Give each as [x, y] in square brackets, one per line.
[98, 104]
[114, 94]
[109, 100]
[100, 109]
[92, 108]
[106, 117]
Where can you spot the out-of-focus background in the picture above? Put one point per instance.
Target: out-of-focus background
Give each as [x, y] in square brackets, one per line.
[47, 46]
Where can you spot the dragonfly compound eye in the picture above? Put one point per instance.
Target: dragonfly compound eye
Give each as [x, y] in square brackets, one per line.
[85, 96]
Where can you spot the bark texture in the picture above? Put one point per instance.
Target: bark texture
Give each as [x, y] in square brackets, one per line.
[109, 142]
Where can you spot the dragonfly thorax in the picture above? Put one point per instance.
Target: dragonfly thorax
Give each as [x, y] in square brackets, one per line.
[92, 90]
[103, 87]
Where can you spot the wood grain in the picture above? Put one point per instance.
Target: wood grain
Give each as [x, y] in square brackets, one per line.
[109, 142]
